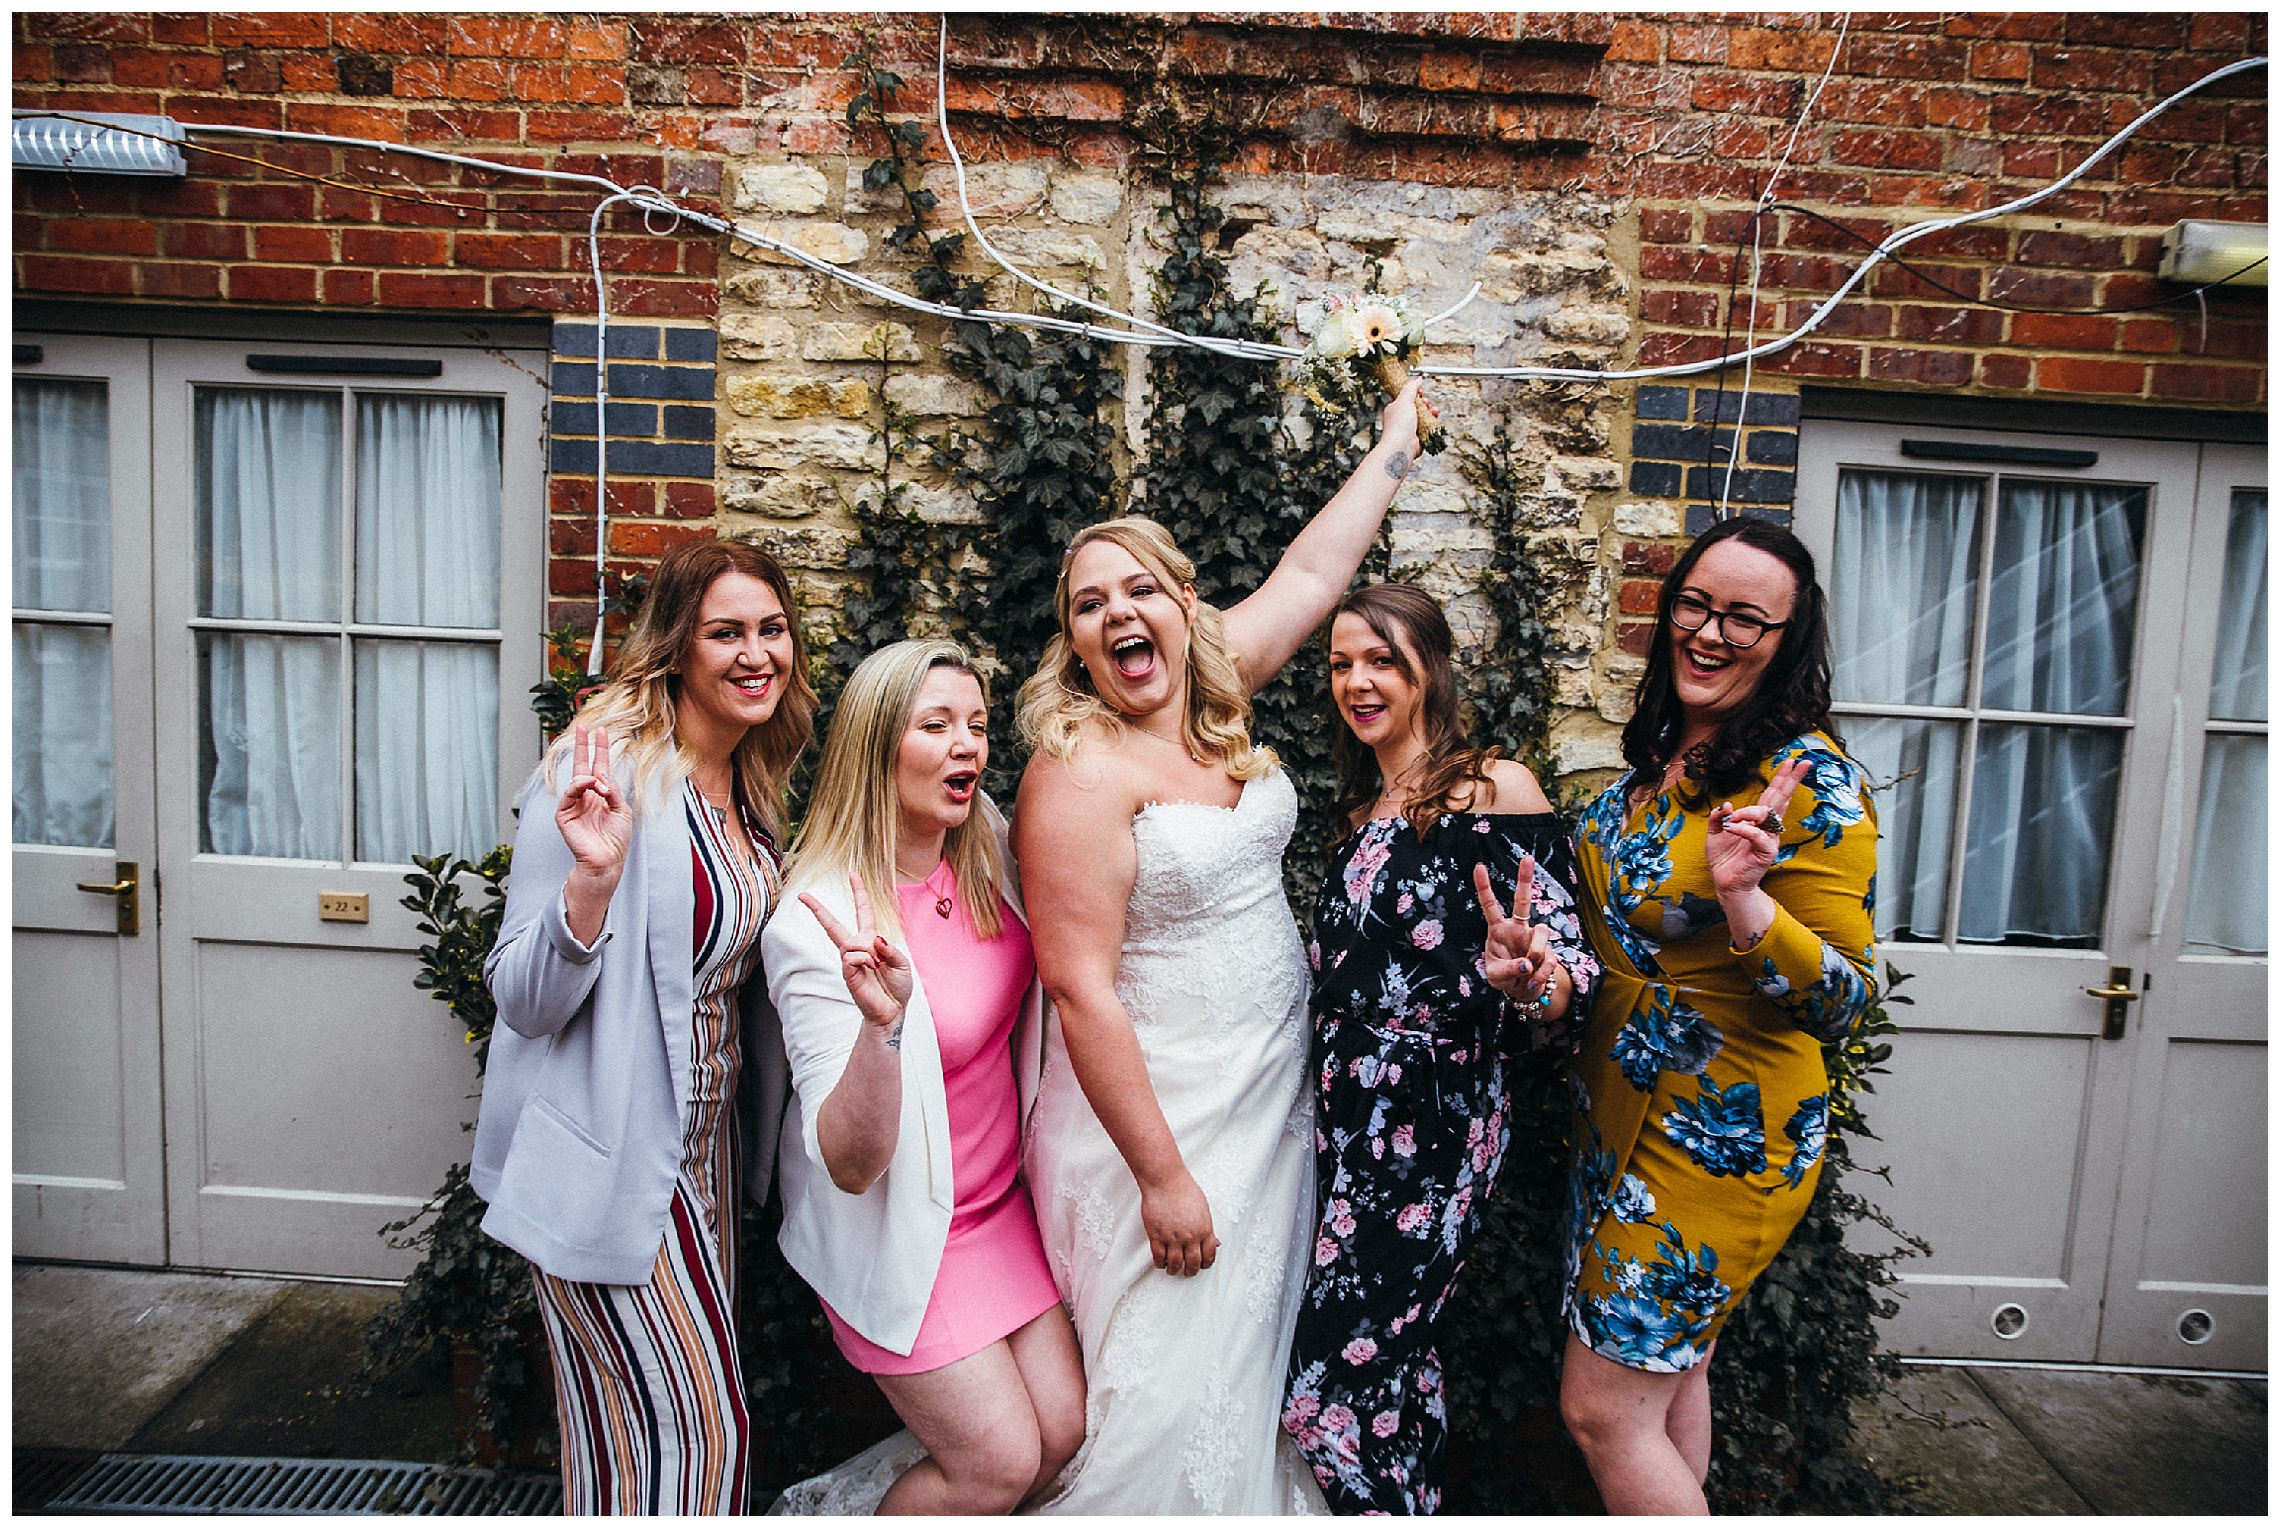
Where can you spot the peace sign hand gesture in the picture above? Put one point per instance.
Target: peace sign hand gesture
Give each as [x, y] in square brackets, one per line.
[878, 975]
[592, 814]
[1518, 959]
[1744, 843]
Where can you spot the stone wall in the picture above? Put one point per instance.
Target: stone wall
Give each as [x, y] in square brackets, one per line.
[1595, 172]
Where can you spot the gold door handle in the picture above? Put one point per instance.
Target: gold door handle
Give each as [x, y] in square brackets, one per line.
[2117, 995]
[127, 890]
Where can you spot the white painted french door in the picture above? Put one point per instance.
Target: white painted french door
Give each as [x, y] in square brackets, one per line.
[340, 553]
[2023, 630]
[87, 1145]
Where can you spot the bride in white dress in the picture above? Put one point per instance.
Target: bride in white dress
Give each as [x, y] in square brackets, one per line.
[1170, 1153]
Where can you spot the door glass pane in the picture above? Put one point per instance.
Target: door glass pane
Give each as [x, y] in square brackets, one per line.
[2063, 605]
[268, 504]
[1914, 767]
[427, 510]
[2236, 683]
[62, 735]
[269, 755]
[2224, 915]
[2225, 911]
[2042, 816]
[62, 485]
[427, 749]
[1901, 591]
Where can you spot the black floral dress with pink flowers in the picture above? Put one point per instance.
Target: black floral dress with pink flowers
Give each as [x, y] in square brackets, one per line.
[1410, 1043]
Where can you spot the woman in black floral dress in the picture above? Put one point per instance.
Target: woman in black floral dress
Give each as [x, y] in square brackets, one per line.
[1422, 984]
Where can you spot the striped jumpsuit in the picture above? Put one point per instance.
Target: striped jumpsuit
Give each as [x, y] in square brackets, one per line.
[645, 1375]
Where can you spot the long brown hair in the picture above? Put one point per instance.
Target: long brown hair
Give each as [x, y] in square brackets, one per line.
[638, 702]
[1411, 623]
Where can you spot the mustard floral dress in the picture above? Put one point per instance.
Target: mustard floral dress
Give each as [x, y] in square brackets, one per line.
[1701, 1098]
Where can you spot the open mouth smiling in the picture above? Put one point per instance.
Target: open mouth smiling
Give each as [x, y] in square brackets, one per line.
[1134, 656]
[960, 785]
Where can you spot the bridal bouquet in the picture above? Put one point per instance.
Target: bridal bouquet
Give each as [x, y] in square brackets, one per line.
[1370, 336]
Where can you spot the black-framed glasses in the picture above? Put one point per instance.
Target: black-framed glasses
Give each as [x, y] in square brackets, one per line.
[1691, 613]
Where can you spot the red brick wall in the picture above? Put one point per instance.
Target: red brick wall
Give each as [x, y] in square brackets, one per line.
[1923, 115]
[1928, 116]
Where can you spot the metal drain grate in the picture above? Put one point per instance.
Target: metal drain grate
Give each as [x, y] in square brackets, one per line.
[183, 1483]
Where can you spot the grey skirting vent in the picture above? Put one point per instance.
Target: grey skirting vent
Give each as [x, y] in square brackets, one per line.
[181, 1483]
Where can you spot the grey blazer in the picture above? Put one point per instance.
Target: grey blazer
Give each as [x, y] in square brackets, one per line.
[586, 1092]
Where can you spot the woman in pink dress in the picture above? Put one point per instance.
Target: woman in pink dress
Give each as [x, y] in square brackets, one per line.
[914, 1028]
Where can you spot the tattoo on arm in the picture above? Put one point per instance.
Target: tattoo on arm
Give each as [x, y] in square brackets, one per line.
[894, 1036]
[1397, 465]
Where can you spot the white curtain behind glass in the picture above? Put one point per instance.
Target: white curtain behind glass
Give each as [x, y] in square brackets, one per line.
[427, 554]
[60, 721]
[2060, 629]
[61, 481]
[2225, 912]
[1901, 596]
[268, 524]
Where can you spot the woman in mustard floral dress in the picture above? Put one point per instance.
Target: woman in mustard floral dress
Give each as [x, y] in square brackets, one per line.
[1728, 890]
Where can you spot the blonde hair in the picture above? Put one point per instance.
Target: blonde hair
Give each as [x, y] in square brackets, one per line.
[854, 811]
[638, 702]
[1059, 698]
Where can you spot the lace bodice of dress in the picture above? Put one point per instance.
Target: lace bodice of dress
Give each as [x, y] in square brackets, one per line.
[1208, 916]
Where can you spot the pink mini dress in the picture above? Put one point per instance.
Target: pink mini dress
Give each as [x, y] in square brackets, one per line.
[994, 1279]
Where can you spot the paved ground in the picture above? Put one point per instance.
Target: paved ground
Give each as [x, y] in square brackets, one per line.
[110, 1360]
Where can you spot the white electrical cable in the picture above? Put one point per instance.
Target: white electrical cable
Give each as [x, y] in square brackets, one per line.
[1757, 270]
[1876, 256]
[1157, 335]
[1142, 331]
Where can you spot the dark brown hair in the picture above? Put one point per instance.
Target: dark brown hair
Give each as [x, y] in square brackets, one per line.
[638, 703]
[1411, 623]
[1792, 695]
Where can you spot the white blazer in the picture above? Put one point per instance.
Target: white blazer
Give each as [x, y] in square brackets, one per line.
[873, 1255]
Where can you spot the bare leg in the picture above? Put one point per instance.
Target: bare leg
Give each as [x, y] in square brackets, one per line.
[1053, 1371]
[1689, 1420]
[982, 1450]
[1621, 1418]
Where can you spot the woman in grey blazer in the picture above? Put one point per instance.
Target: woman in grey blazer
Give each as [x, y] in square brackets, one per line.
[635, 1030]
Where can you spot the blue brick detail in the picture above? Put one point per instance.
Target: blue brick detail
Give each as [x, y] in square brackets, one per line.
[681, 383]
[1765, 408]
[1773, 448]
[574, 456]
[568, 418]
[573, 379]
[638, 420]
[1679, 442]
[633, 342]
[574, 339]
[1654, 402]
[1662, 479]
[1700, 517]
[688, 424]
[690, 345]
[1751, 485]
[648, 458]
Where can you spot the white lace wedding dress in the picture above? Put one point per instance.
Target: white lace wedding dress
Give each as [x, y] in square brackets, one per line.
[1183, 1376]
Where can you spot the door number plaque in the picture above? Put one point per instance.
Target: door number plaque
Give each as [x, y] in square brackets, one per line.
[344, 907]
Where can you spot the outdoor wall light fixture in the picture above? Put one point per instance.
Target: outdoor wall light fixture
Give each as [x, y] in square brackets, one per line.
[90, 147]
[2198, 253]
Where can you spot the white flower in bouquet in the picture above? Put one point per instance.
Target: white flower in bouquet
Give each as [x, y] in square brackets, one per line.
[1371, 336]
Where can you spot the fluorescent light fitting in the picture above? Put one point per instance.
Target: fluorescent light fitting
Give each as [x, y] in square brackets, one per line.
[86, 148]
[2198, 253]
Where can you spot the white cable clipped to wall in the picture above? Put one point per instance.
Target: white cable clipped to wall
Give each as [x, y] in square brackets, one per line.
[1142, 332]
